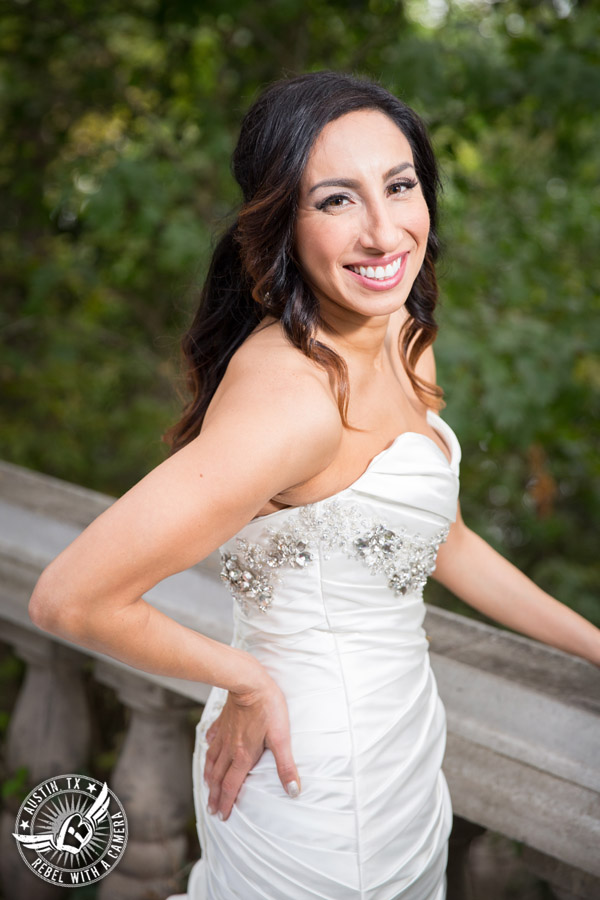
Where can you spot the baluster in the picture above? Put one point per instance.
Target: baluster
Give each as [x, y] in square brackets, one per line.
[153, 781]
[458, 877]
[49, 733]
[566, 882]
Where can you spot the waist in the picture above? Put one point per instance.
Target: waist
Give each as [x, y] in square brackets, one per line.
[324, 661]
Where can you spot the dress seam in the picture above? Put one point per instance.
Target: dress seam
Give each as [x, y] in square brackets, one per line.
[350, 727]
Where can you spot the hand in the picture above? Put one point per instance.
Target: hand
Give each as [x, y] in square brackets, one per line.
[237, 738]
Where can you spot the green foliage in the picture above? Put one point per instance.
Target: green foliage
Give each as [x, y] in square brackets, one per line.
[119, 122]
[17, 785]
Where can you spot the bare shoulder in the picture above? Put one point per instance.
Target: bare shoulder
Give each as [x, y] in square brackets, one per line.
[274, 389]
[272, 425]
[425, 367]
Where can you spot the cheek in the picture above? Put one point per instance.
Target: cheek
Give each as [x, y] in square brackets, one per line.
[423, 218]
[318, 244]
[417, 222]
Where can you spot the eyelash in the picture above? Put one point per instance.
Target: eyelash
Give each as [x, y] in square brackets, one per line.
[407, 183]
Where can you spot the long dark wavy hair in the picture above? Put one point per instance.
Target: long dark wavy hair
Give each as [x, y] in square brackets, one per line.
[253, 272]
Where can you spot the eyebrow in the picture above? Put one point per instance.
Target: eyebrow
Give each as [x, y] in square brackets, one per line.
[354, 185]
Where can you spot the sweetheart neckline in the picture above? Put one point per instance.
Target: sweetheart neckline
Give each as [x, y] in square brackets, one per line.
[449, 462]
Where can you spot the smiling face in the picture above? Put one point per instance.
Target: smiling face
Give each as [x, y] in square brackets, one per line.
[362, 224]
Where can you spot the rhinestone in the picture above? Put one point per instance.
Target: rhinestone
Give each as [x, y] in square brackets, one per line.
[406, 559]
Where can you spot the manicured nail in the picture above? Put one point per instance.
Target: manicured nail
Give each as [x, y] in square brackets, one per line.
[211, 810]
[220, 815]
[292, 788]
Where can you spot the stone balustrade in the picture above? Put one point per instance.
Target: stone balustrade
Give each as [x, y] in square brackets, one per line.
[523, 753]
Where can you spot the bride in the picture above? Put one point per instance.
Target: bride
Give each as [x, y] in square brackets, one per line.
[313, 457]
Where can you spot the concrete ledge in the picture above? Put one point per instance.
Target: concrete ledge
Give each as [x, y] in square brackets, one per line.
[523, 719]
[522, 755]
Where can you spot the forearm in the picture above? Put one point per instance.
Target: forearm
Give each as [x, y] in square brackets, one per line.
[484, 579]
[143, 637]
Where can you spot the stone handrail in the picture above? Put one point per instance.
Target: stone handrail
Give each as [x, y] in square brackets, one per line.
[523, 744]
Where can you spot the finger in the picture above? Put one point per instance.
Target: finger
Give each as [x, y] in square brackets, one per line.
[232, 782]
[212, 754]
[212, 730]
[281, 747]
[217, 775]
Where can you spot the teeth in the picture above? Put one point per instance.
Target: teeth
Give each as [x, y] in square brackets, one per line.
[380, 273]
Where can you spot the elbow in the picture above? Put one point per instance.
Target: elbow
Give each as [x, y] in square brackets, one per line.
[47, 610]
[39, 603]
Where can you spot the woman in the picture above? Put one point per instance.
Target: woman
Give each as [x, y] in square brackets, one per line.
[313, 456]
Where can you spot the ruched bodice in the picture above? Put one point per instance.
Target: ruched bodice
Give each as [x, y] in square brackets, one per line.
[328, 597]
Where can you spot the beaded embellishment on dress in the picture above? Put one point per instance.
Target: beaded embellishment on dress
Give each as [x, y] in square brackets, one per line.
[406, 559]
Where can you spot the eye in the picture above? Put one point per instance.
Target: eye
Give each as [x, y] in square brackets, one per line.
[403, 187]
[335, 201]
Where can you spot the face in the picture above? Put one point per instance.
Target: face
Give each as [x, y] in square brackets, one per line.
[362, 224]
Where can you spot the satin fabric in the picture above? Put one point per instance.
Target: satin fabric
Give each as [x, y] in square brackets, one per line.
[367, 725]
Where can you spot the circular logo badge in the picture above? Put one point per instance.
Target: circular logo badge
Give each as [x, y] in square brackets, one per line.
[71, 830]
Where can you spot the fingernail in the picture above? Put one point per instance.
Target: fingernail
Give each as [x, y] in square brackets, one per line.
[220, 815]
[292, 788]
[211, 810]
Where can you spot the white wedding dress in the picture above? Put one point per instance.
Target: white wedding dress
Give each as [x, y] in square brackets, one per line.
[340, 630]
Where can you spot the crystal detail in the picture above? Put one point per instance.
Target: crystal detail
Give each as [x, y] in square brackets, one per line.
[405, 558]
[250, 572]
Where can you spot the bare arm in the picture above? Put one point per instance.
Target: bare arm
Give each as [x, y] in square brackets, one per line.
[264, 436]
[470, 568]
[273, 426]
[488, 582]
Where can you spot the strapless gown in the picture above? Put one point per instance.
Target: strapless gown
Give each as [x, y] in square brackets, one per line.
[329, 597]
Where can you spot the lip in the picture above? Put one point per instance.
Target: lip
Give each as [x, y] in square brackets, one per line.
[375, 261]
[373, 285]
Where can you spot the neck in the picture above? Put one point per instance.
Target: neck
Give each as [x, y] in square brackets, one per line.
[360, 339]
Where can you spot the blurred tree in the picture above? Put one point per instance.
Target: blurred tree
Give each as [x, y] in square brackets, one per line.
[119, 121]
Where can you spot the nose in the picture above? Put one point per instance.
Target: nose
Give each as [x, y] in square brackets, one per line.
[379, 229]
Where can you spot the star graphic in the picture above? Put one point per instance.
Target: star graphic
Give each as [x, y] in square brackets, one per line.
[92, 787]
[24, 824]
